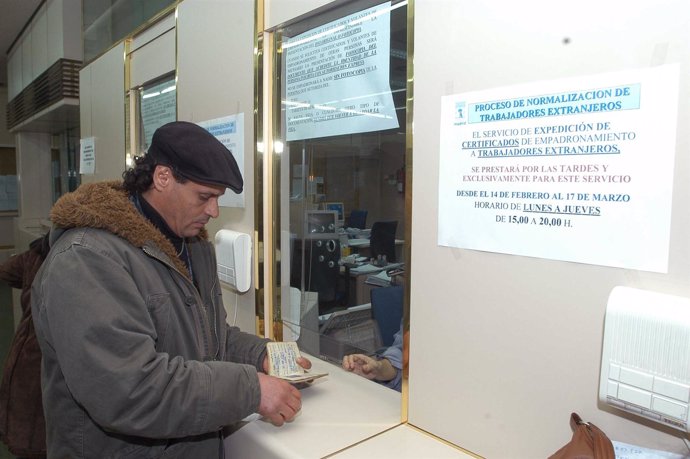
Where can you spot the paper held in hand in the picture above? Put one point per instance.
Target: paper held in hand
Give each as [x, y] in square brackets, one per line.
[282, 362]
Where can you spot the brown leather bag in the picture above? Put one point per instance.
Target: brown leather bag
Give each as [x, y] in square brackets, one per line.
[588, 442]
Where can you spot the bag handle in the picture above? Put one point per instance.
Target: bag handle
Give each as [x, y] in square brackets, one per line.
[601, 444]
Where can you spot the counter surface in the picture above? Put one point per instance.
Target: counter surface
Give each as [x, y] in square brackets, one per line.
[402, 442]
[338, 410]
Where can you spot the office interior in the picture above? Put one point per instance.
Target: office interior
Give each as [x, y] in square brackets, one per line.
[502, 348]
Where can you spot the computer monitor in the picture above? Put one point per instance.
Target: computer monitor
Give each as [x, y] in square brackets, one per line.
[349, 331]
[338, 207]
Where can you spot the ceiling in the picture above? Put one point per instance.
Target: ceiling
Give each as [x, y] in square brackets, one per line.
[14, 14]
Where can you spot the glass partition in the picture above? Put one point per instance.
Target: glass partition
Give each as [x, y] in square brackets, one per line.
[339, 178]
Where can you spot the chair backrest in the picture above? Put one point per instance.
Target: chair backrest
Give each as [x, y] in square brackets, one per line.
[382, 239]
[387, 310]
[358, 219]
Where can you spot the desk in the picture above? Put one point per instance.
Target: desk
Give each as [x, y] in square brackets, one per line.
[363, 246]
[338, 410]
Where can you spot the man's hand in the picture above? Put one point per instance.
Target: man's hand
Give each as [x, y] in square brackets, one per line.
[363, 365]
[280, 401]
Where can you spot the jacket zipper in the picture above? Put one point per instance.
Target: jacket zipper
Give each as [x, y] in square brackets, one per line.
[211, 330]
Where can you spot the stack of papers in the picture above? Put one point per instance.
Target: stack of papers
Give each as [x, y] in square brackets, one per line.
[368, 268]
[381, 279]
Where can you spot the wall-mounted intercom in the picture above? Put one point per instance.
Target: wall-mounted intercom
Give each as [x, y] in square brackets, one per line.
[645, 364]
[234, 257]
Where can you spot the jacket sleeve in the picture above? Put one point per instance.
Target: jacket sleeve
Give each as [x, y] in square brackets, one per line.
[12, 271]
[104, 339]
[245, 348]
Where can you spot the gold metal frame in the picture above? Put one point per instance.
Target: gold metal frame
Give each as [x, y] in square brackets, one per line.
[408, 201]
[131, 94]
[259, 149]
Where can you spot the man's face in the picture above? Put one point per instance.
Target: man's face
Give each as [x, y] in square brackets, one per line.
[187, 207]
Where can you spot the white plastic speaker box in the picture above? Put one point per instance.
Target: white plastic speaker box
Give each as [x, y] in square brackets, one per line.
[234, 257]
[645, 363]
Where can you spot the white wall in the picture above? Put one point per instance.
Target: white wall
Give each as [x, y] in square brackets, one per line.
[503, 347]
[102, 113]
[153, 52]
[215, 70]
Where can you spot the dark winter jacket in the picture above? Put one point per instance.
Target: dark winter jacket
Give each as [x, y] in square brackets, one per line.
[22, 427]
[137, 359]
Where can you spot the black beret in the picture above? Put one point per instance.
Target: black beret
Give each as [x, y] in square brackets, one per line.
[195, 154]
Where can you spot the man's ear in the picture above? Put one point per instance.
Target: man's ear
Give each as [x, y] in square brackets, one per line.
[162, 177]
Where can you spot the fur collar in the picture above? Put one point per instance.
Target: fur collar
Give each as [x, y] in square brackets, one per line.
[106, 206]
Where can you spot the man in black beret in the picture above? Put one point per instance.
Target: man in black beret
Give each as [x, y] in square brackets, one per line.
[192, 152]
[138, 359]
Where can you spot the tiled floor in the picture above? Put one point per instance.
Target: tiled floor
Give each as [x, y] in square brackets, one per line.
[6, 332]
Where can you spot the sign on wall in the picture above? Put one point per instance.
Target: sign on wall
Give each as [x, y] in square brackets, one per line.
[579, 169]
[337, 77]
[87, 155]
[230, 131]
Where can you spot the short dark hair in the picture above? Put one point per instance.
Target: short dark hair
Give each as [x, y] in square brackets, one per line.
[140, 177]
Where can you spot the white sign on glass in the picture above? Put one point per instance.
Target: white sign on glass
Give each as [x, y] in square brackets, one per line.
[578, 169]
[158, 107]
[337, 77]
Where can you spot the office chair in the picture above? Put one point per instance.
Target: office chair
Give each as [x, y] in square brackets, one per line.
[387, 311]
[382, 240]
[358, 219]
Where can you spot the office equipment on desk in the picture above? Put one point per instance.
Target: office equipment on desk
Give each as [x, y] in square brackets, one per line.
[321, 269]
[358, 219]
[387, 311]
[344, 239]
[320, 222]
[315, 258]
[344, 317]
[349, 331]
[337, 207]
[645, 363]
[382, 240]
[234, 258]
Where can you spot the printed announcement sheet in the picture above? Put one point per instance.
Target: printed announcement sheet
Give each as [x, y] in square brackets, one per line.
[337, 77]
[577, 169]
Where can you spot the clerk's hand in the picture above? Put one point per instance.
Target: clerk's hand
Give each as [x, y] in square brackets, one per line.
[370, 368]
[280, 401]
